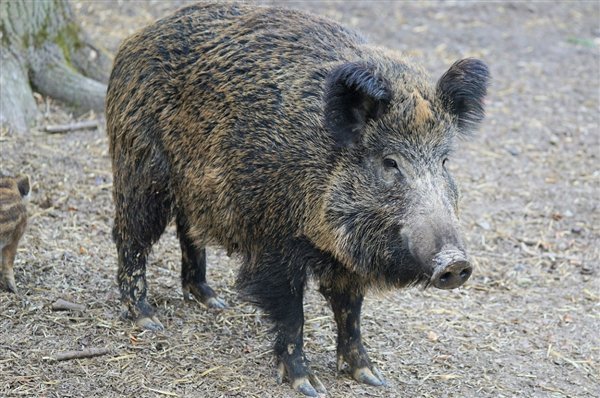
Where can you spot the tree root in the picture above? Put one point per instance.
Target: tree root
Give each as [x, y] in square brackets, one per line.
[92, 62]
[44, 49]
[52, 76]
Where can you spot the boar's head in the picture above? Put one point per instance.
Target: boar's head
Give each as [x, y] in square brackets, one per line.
[390, 210]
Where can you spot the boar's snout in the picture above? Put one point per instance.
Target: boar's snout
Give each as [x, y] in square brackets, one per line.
[438, 250]
[451, 268]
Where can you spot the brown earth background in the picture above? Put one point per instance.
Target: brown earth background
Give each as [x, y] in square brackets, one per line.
[527, 324]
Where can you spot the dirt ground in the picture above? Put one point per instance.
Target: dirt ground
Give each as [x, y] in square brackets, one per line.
[526, 324]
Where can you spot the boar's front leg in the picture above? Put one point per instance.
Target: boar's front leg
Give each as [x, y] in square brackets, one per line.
[275, 282]
[289, 349]
[346, 307]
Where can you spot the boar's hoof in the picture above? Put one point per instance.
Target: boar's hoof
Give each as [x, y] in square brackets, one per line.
[216, 303]
[372, 377]
[149, 323]
[205, 294]
[309, 385]
[304, 386]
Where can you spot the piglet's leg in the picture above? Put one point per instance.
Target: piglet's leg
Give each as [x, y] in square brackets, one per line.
[346, 308]
[7, 258]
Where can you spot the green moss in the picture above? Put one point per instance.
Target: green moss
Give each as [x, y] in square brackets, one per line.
[66, 38]
[39, 38]
[68, 41]
[4, 34]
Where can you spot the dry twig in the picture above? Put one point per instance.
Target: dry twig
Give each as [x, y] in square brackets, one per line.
[64, 305]
[63, 128]
[89, 353]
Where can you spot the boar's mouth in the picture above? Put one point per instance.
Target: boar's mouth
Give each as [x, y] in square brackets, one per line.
[447, 269]
[403, 270]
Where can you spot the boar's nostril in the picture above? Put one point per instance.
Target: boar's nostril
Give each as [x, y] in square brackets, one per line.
[465, 273]
[446, 277]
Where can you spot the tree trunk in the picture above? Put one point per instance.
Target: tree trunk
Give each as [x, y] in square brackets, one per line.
[42, 48]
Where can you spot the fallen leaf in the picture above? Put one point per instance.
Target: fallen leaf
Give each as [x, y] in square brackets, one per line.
[432, 336]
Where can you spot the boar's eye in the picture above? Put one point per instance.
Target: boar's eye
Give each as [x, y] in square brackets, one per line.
[444, 162]
[390, 172]
[390, 163]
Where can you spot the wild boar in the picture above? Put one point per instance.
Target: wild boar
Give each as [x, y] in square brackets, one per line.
[288, 139]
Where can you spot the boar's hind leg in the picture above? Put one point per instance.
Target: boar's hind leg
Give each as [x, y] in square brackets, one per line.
[193, 271]
[131, 278]
[346, 308]
[143, 209]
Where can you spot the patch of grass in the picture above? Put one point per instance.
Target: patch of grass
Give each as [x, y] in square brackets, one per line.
[581, 41]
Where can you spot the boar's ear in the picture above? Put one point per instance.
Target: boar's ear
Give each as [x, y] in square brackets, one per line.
[463, 89]
[354, 95]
